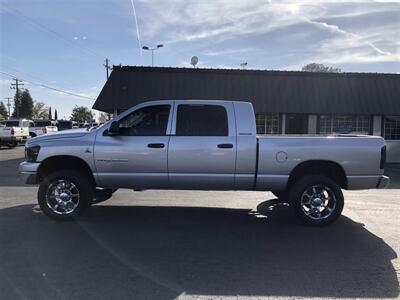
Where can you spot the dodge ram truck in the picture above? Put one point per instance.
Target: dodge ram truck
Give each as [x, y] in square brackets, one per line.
[199, 145]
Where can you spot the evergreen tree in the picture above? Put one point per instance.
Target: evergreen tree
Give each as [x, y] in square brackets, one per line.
[50, 116]
[3, 110]
[55, 115]
[17, 104]
[26, 105]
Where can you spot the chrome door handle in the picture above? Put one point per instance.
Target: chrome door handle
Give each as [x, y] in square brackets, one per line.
[225, 146]
[156, 145]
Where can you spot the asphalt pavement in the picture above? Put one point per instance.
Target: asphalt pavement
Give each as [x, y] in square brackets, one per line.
[196, 245]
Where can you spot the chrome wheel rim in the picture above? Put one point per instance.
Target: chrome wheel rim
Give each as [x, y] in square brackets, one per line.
[318, 202]
[62, 197]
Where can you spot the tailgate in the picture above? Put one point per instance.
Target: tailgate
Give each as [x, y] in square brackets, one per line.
[21, 131]
[51, 128]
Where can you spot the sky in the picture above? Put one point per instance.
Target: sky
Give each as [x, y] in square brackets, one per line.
[62, 44]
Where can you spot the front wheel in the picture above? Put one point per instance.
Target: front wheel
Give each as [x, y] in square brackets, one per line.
[64, 194]
[316, 200]
[12, 145]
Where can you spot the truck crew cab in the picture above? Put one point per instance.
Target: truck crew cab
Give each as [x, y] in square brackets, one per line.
[200, 145]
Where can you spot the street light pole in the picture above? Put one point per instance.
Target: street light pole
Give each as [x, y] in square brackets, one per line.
[152, 51]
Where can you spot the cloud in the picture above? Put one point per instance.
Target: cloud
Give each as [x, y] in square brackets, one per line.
[228, 51]
[215, 24]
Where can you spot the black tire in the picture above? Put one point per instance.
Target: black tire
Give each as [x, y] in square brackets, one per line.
[81, 185]
[282, 196]
[12, 145]
[327, 198]
[32, 135]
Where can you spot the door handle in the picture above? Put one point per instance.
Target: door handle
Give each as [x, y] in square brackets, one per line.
[156, 145]
[225, 146]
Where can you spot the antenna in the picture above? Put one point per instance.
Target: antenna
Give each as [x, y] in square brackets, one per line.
[194, 61]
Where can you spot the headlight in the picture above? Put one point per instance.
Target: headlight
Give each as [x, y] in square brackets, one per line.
[31, 153]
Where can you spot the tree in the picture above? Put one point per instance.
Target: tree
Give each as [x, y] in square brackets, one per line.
[104, 117]
[81, 114]
[3, 110]
[50, 116]
[25, 110]
[55, 115]
[39, 110]
[17, 104]
[314, 67]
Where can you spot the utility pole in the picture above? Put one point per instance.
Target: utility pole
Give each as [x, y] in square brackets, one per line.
[107, 67]
[15, 86]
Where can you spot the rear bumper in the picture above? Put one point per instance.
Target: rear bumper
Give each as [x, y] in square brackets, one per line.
[367, 182]
[28, 172]
[11, 138]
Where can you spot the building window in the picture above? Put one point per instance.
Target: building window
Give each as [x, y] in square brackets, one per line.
[354, 124]
[267, 123]
[392, 128]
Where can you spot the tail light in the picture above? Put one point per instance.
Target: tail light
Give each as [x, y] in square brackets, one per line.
[12, 131]
[44, 129]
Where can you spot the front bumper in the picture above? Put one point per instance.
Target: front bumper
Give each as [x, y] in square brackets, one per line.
[28, 172]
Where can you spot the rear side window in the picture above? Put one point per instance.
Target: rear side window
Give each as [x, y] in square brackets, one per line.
[201, 120]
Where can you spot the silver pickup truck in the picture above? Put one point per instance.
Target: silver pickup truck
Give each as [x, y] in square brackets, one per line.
[200, 145]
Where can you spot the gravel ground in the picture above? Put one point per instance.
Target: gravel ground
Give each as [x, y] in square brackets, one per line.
[196, 245]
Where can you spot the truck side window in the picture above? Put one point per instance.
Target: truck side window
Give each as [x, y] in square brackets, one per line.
[147, 121]
[201, 120]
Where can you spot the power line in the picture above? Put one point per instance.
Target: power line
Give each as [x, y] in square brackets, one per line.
[49, 87]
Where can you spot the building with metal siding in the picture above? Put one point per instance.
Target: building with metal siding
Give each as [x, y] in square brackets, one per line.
[288, 102]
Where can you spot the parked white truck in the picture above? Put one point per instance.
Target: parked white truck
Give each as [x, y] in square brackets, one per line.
[39, 127]
[13, 132]
[200, 145]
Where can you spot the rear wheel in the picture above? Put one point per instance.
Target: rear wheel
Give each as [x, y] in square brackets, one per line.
[316, 200]
[63, 195]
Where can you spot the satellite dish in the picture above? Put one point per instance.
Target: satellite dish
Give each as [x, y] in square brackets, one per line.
[194, 61]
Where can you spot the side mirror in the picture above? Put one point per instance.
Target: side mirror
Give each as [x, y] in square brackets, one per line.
[114, 128]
